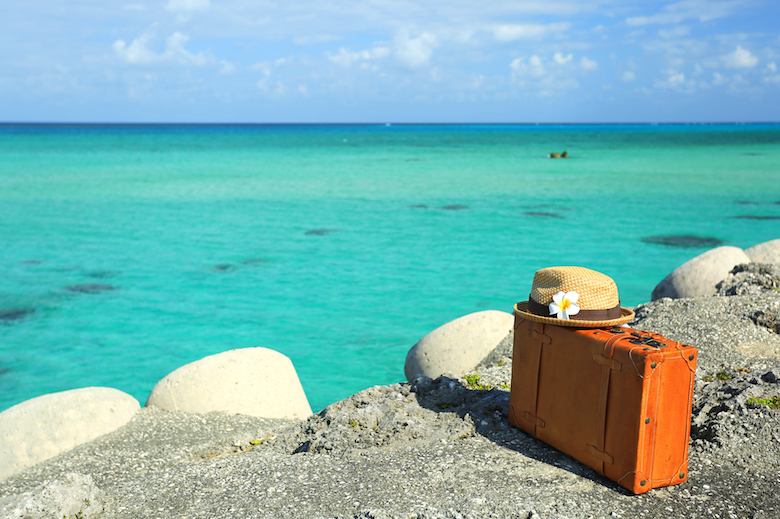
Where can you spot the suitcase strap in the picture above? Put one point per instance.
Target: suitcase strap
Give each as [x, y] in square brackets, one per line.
[536, 332]
[607, 365]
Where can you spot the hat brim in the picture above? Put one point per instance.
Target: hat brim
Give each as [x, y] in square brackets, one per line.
[521, 309]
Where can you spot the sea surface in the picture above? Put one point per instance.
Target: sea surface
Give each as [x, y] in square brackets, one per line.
[127, 251]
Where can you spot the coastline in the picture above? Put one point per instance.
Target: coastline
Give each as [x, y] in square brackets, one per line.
[468, 463]
[395, 452]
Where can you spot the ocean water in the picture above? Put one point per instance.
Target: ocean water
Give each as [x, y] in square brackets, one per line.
[127, 251]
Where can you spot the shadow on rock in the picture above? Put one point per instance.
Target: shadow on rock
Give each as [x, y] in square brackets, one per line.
[421, 411]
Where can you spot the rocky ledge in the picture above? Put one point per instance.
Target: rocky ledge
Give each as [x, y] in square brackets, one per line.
[440, 448]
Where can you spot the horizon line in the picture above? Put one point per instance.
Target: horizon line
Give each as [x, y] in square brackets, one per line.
[648, 123]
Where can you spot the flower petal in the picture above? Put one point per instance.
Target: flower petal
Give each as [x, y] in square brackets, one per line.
[559, 297]
[574, 309]
[572, 296]
[554, 308]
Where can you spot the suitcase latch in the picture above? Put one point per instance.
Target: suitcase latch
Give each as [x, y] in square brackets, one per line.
[647, 341]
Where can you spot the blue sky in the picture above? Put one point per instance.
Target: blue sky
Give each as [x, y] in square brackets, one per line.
[389, 61]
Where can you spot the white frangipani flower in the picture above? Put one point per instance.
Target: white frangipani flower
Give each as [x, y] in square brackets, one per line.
[564, 304]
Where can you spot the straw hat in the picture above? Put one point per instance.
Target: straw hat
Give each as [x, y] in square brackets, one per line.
[575, 297]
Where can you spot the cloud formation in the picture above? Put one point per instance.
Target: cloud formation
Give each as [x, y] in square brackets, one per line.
[441, 52]
[507, 33]
[740, 58]
[139, 53]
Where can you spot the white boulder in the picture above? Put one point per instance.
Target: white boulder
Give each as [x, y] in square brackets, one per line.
[251, 381]
[42, 427]
[459, 345]
[698, 276]
[767, 252]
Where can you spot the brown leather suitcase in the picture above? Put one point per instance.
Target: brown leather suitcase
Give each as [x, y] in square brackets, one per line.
[616, 399]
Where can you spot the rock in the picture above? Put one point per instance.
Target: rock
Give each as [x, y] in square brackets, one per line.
[767, 252]
[555, 155]
[459, 345]
[698, 276]
[393, 417]
[251, 381]
[735, 399]
[750, 278]
[75, 496]
[43, 427]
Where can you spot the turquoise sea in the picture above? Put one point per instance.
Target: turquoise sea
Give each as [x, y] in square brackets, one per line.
[127, 251]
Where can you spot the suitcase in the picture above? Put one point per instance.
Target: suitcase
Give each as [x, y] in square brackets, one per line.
[616, 399]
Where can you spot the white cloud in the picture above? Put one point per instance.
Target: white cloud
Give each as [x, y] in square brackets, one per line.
[628, 76]
[588, 64]
[532, 68]
[345, 58]
[675, 80]
[740, 58]
[771, 75]
[527, 31]
[414, 52]
[139, 53]
[561, 59]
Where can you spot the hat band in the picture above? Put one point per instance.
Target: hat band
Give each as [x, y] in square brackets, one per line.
[582, 315]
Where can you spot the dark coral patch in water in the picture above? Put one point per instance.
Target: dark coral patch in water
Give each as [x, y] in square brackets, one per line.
[683, 240]
[419, 206]
[223, 267]
[543, 214]
[747, 202]
[101, 274]
[319, 232]
[90, 288]
[454, 207]
[14, 314]
[756, 217]
[254, 261]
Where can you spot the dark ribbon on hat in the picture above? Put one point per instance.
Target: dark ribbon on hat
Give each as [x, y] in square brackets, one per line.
[582, 315]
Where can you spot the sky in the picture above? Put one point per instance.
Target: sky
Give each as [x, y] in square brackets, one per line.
[377, 61]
